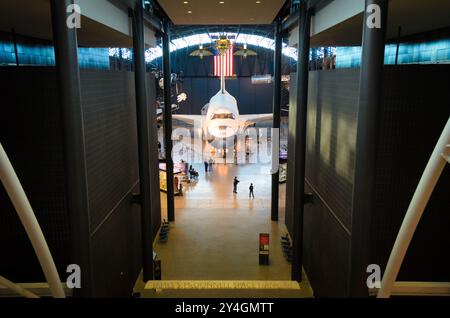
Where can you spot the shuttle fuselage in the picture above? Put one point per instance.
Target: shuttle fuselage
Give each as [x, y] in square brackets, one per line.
[222, 118]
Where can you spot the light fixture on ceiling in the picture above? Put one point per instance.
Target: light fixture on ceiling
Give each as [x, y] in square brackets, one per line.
[186, 2]
[189, 11]
[221, 2]
[258, 2]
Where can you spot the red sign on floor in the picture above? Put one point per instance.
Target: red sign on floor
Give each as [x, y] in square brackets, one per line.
[264, 239]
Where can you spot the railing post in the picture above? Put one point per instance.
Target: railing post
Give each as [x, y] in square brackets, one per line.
[168, 122]
[276, 117]
[300, 140]
[142, 116]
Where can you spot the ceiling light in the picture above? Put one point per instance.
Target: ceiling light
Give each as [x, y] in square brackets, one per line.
[258, 2]
[221, 2]
[186, 2]
[189, 11]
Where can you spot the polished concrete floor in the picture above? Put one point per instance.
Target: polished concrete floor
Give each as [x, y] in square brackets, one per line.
[216, 232]
[215, 235]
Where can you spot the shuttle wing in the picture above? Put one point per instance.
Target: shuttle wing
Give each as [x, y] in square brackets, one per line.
[160, 114]
[248, 120]
[256, 118]
[190, 119]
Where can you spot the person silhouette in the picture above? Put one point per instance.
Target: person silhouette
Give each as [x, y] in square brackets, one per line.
[251, 191]
[210, 163]
[235, 183]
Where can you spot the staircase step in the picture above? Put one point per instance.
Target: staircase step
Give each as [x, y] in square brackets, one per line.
[222, 284]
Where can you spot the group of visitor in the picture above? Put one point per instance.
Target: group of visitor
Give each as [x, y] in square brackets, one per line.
[250, 188]
[193, 174]
[189, 170]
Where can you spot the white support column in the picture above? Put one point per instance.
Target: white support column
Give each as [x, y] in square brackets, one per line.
[425, 188]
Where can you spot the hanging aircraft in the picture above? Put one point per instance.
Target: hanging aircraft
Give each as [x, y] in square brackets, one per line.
[222, 120]
[177, 96]
[201, 52]
[244, 52]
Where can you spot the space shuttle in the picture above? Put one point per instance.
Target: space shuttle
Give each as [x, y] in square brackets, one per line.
[222, 120]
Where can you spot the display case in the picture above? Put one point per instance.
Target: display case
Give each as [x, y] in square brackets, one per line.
[283, 170]
[178, 172]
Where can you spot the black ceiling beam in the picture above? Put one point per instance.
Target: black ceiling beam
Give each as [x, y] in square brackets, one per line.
[292, 20]
[153, 22]
[159, 11]
[284, 11]
[318, 4]
[290, 23]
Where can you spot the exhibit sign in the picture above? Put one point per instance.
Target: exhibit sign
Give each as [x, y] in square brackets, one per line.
[264, 239]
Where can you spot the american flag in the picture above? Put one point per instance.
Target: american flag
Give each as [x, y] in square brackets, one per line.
[229, 63]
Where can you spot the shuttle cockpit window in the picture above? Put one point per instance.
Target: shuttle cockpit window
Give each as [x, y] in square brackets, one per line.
[223, 116]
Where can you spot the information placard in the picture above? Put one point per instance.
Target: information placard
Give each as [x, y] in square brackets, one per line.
[264, 239]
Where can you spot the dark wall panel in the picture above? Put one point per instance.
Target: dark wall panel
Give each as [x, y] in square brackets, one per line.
[213, 85]
[111, 139]
[251, 99]
[289, 213]
[113, 176]
[198, 99]
[246, 100]
[154, 164]
[263, 98]
[331, 137]
[116, 252]
[326, 250]
[30, 132]
[232, 86]
[415, 110]
[186, 107]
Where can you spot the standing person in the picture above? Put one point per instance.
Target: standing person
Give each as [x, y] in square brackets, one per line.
[235, 183]
[206, 165]
[186, 167]
[251, 191]
[210, 163]
[190, 172]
